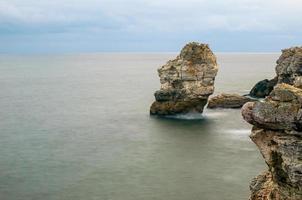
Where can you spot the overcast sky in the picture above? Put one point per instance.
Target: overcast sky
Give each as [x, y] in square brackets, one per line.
[55, 26]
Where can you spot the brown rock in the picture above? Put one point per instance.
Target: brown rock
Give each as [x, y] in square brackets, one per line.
[228, 101]
[289, 66]
[186, 81]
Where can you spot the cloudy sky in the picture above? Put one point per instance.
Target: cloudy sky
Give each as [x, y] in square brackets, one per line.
[64, 26]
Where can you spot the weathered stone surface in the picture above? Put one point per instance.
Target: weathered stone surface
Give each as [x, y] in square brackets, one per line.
[280, 110]
[288, 70]
[228, 101]
[289, 66]
[263, 188]
[277, 132]
[177, 107]
[282, 152]
[186, 81]
[263, 88]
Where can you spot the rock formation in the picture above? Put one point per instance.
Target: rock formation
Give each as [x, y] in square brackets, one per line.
[263, 88]
[186, 82]
[289, 66]
[288, 70]
[277, 132]
[228, 101]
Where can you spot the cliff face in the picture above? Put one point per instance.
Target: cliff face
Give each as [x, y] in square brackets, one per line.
[277, 132]
[288, 67]
[186, 81]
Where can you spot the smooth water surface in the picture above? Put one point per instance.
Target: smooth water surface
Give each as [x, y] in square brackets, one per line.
[77, 127]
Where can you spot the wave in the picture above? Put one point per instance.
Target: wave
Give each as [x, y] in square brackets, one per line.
[188, 116]
[198, 116]
[239, 131]
[212, 115]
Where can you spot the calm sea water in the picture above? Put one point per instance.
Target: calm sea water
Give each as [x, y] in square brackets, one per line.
[77, 127]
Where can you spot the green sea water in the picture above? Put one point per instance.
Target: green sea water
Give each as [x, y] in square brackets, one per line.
[77, 127]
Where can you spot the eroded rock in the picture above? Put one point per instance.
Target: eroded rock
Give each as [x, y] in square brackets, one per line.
[281, 110]
[263, 88]
[228, 101]
[277, 132]
[186, 82]
[289, 66]
[288, 70]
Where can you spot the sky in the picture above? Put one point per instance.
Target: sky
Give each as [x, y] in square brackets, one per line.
[67, 26]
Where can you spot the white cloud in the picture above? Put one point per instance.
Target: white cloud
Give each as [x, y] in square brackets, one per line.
[158, 15]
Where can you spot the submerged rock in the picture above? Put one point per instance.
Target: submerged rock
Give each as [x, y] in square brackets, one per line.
[186, 82]
[288, 70]
[277, 132]
[228, 101]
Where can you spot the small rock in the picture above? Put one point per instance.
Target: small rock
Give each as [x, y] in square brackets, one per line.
[228, 101]
[263, 88]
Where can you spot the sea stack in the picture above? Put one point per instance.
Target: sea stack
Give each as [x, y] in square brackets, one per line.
[277, 132]
[186, 82]
[288, 70]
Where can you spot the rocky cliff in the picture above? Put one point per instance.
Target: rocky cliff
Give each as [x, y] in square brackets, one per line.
[186, 82]
[277, 132]
[288, 70]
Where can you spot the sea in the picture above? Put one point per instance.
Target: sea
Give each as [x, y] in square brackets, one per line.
[77, 127]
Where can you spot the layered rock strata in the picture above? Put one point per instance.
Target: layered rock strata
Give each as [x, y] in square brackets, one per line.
[277, 132]
[186, 82]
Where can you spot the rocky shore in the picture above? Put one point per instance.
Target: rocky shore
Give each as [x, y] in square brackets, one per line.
[277, 132]
[186, 82]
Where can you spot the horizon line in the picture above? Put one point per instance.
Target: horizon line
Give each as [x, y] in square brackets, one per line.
[132, 52]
